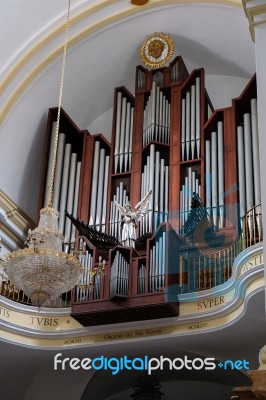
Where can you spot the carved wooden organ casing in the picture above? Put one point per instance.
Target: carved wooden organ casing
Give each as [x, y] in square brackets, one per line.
[166, 138]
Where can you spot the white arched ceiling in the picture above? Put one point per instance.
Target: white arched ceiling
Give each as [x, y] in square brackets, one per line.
[104, 41]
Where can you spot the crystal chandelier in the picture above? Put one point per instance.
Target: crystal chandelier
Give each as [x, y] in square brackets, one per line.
[97, 271]
[42, 270]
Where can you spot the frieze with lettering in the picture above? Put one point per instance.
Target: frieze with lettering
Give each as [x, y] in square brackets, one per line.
[4, 312]
[210, 303]
[253, 262]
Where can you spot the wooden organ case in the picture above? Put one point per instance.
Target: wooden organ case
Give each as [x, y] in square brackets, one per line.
[168, 139]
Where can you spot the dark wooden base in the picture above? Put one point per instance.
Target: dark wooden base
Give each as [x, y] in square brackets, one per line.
[119, 310]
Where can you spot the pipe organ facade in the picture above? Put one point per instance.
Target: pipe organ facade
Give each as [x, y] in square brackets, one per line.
[167, 138]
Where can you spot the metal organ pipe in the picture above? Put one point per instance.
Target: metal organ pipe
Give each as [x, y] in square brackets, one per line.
[64, 187]
[198, 116]
[119, 275]
[188, 133]
[59, 169]
[191, 184]
[248, 162]
[241, 170]
[115, 218]
[98, 219]
[214, 175]
[83, 288]
[190, 122]
[255, 151]
[220, 149]
[157, 263]
[123, 135]
[208, 174]
[94, 183]
[50, 165]
[193, 120]
[70, 196]
[155, 178]
[156, 123]
[75, 203]
[141, 279]
[118, 128]
[105, 189]
[99, 187]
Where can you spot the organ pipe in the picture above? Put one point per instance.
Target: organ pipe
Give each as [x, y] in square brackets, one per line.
[121, 198]
[190, 122]
[99, 187]
[214, 177]
[155, 178]
[255, 151]
[50, 165]
[59, 168]
[214, 174]
[123, 134]
[94, 183]
[64, 187]
[156, 123]
[241, 170]
[248, 162]
[220, 148]
[190, 185]
[157, 264]
[70, 196]
[75, 203]
[119, 275]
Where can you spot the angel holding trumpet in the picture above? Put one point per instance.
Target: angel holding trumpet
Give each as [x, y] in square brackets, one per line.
[130, 217]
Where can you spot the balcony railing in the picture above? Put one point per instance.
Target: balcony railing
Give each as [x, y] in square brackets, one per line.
[196, 273]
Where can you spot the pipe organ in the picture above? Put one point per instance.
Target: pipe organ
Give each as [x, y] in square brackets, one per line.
[166, 138]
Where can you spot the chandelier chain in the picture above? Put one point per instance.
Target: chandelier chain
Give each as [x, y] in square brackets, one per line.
[51, 193]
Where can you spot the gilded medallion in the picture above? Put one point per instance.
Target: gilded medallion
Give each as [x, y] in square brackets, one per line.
[156, 50]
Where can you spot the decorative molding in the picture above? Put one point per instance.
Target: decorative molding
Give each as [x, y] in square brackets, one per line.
[256, 14]
[13, 213]
[200, 312]
[14, 224]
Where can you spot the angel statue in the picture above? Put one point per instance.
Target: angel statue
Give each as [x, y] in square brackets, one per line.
[130, 216]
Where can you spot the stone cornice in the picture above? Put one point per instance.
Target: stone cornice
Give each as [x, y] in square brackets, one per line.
[256, 14]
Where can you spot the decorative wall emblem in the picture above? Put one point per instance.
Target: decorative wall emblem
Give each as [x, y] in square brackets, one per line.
[156, 50]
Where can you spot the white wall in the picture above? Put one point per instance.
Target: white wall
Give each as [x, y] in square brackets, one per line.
[222, 89]
[261, 88]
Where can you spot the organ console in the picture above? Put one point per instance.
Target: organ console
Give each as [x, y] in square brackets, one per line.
[166, 138]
